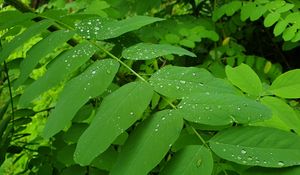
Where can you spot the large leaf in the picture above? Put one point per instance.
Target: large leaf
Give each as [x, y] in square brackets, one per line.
[117, 112]
[178, 82]
[148, 144]
[272, 171]
[257, 146]
[222, 109]
[245, 78]
[101, 29]
[19, 40]
[146, 51]
[194, 159]
[63, 66]
[91, 83]
[284, 116]
[11, 18]
[287, 85]
[40, 50]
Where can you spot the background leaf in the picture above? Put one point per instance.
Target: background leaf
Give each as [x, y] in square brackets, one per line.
[91, 83]
[257, 146]
[194, 159]
[287, 85]
[244, 78]
[116, 114]
[148, 144]
[145, 51]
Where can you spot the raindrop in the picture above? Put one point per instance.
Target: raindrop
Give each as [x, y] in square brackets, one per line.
[194, 74]
[219, 106]
[280, 163]
[156, 129]
[249, 158]
[207, 93]
[182, 81]
[177, 87]
[244, 161]
[207, 107]
[163, 118]
[131, 113]
[238, 108]
[243, 151]
[199, 162]
[224, 149]
[239, 158]
[93, 72]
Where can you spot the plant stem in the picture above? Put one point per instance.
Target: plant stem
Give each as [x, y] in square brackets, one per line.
[11, 97]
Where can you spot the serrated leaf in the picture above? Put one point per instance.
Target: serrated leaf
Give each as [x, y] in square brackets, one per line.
[287, 85]
[40, 50]
[178, 82]
[280, 27]
[194, 159]
[115, 115]
[148, 144]
[146, 51]
[19, 40]
[221, 109]
[257, 146]
[244, 78]
[91, 83]
[271, 19]
[64, 65]
[101, 29]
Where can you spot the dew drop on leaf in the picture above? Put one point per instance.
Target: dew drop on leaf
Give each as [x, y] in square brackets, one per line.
[243, 151]
[280, 163]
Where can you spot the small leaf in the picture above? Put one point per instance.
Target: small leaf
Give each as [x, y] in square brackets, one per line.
[290, 33]
[19, 40]
[64, 65]
[146, 51]
[91, 83]
[194, 159]
[271, 19]
[280, 27]
[232, 7]
[178, 82]
[116, 114]
[221, 109]
[148, 144]
[244, 78]
[40, 50]
[101, 29]
[287, 85]
[257, 146]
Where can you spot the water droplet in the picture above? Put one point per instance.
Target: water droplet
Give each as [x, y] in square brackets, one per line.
[239, 158]
[93, 72]
[182, 81]
[156, 129]
[207, 107]
[131, 113]
[108, 71]
[219, 107]
[194, 74]
[199, 162]
[177, 87]
[224, 149]
[163, 118]
[238, 108]
[280, 163]
[243, 151]
[207, 93]
[249, 158]
[244, 161]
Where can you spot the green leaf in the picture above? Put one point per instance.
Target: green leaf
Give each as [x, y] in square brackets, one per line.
[287, 85]
[146, 51]
[116, 114]
[257, 146]
[40, 50]
[148, 144]
[290, 32]
[232, 7]
[19, 40]
[271, 171]
[271, 19]
[280, 27]
[194, 159]
[13, 18]
[284, 117]
[101, 29]
[221, 109]
[256, 14]
[106, 160]
[178, 82]
[244, 78]
[64, 65]
[91, 83]
[247, 9]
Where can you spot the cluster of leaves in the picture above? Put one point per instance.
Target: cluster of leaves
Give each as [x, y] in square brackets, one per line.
[130, 94]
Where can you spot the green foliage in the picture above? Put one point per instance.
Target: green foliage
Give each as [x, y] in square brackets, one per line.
[131, 87]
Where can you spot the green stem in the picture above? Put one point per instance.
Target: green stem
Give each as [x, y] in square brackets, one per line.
[11, 97]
